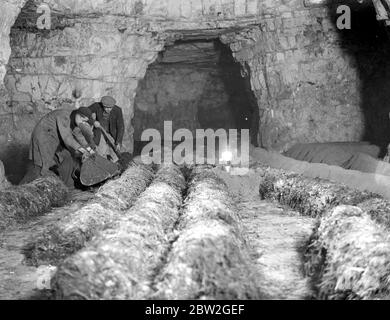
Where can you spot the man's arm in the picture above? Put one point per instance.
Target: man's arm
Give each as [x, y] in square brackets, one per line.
[63, 124]
[78, 135]
[95, 109]
[88, 134]
[84, 135]
[120, 127]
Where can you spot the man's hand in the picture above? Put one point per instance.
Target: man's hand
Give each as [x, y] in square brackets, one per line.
[83, 151]
[85, 157]
[97, 125]
[85, 154]
[119, 147]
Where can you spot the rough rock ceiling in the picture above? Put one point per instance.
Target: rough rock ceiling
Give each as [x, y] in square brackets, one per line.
[191, 19]
[183, 17]
[191, 53]
[65, 11]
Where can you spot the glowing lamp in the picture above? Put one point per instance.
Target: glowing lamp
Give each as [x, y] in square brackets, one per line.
[227, 156]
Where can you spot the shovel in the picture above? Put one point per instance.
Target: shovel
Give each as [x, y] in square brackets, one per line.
[110, 141]
[97, 169]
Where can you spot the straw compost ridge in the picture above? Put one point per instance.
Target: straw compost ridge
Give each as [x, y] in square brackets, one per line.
[209, 259]
[350, 256]
[72, 232]
[19, 204]
[21, 282]
[120, 262]
[277, 238]
[314, 197]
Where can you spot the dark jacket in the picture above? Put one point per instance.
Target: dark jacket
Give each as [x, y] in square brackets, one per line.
[116, 123]
[85, 135]
[50, 135]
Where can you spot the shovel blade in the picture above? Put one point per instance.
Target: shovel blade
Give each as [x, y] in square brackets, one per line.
[96, 170]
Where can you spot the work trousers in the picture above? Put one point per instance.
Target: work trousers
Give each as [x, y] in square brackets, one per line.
[65, 169]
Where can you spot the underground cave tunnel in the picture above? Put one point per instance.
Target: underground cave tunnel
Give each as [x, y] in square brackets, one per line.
[196, 85]
[281, 69]
[305, 82]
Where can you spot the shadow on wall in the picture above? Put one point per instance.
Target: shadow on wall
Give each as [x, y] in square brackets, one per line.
[368, 44]
[15, 159]
[242, 102]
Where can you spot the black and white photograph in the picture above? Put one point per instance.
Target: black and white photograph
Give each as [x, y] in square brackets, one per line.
[194, 155]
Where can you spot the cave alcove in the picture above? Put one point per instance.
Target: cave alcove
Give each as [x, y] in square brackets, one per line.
[16, 123]
[367, 43]
[195, 84]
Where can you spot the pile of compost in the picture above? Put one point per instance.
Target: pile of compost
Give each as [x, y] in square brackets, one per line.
[350, 256]
[119, 263]
[336, 153]
[314, 197]
[19, 204]
[70, 234]
[209, 259]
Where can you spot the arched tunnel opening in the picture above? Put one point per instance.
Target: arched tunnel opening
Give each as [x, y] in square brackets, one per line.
[195, 84]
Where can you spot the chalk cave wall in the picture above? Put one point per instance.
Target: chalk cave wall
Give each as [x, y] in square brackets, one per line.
[306, 80]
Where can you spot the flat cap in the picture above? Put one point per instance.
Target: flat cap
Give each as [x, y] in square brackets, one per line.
[108, 101]
[85, 112]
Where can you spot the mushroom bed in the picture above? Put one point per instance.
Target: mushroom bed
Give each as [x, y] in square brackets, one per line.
[171, 232]
[171, 244]
[348, 256]
[164, 232]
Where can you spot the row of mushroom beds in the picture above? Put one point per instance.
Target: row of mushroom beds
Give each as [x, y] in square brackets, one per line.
[175, 233]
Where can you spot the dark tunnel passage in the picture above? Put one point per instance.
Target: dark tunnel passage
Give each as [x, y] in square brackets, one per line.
[196, 85]
[367, 42]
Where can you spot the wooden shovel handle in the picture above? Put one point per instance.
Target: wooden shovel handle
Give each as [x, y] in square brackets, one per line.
[110, 140]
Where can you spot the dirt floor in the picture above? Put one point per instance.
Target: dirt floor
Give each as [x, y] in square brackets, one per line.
[277, 236]
[274, 234]
[17, 281]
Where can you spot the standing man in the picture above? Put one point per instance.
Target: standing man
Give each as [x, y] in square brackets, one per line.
[110, 117]
[52, 146]
[84, 133]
